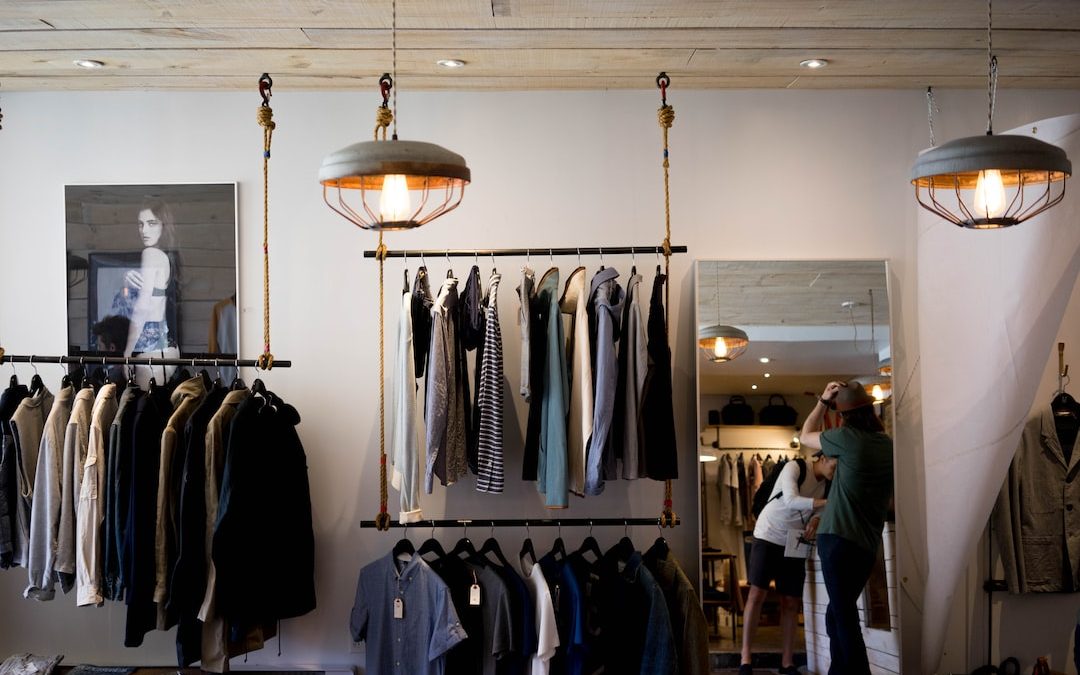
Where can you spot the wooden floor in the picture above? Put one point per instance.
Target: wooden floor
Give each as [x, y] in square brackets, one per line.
[724, 654]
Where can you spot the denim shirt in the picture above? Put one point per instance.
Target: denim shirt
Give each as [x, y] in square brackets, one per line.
[552, 462]
[606, 297]
[416, 643]
[636, 635]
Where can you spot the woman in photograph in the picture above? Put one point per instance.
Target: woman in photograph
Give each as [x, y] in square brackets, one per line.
[151, 289]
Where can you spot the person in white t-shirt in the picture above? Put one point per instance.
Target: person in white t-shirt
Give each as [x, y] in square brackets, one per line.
[791, 507]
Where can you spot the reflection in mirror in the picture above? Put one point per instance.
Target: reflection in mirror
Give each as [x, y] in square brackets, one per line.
[805, 323]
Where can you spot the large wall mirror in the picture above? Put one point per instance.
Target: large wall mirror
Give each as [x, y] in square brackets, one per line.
[779, 332]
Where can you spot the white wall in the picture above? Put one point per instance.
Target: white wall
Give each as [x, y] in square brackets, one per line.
[755, 175]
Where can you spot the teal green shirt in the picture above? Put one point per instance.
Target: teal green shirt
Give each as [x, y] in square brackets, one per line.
[862, 487]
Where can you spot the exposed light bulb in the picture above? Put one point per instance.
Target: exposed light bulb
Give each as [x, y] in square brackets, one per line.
[394, 204]
[764, 359]
[753, 386]
[720, 348]
[878, 394]
[767, 375]
[989, 194]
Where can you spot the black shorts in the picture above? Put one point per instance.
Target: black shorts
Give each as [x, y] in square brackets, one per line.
[767, 563]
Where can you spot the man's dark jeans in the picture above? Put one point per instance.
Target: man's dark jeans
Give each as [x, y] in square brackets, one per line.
[846, 567]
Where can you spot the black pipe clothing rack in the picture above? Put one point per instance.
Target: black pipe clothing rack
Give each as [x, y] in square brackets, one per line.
[194, 362]
[524, 252]
[522, 522]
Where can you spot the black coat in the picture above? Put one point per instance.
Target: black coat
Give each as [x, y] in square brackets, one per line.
[264, 548]
[657, 414]
[138, 553]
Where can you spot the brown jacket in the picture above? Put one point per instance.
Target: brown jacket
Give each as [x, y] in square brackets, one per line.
[1037, 517]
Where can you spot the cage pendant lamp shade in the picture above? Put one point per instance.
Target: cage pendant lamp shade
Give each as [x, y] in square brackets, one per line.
[720, 344]
[393, 184]
[989, 182]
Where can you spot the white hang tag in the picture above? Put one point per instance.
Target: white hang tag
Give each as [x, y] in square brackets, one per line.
[474, 595]
[797, 547]
[399, 608]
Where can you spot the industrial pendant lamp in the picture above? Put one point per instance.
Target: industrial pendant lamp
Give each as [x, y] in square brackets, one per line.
[399, 184]
[720, 343]
[996, 181]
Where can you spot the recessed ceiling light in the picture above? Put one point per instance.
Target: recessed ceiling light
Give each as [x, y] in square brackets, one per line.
[753, 386]
[764, 359]
[89, 63]
[451, 63]
[814, 64]
[768, 375]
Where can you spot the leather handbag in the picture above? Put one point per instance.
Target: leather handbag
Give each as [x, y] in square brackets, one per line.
[737, 411]
[777, 414]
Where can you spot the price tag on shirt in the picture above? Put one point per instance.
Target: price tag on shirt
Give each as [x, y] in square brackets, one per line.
[474, 595]
[399, 608]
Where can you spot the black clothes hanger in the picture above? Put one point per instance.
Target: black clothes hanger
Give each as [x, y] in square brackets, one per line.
[590, 545]
[558, 549]
[432, 545]
[464, 546]
[527, 548]
[258, 388]
[624, 549]
[492, 546]
[1064, 405]
[403, 547]
[660, 547]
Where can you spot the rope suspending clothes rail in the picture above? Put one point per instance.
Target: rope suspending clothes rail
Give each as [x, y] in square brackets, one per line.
[522, 522]
[522, 252]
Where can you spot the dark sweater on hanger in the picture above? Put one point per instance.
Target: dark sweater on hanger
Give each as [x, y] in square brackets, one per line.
[9, 489]
[657, 416]
[151, 415]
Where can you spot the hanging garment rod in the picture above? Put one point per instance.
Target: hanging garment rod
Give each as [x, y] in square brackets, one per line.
[524, 252]
[522, 522]
[194, 362]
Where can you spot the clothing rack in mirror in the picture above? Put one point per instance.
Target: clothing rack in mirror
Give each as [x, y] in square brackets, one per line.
[195, 361]
[524, 252]
[523, 522]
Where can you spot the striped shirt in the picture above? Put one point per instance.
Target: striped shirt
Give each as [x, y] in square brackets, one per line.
[489, 398]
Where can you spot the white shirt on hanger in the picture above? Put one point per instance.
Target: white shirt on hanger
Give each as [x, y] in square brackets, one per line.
[547, 633]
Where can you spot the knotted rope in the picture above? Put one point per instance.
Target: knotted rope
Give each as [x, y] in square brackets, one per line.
[666, 117]
[265, 116]
[382, 521]
[384, 116]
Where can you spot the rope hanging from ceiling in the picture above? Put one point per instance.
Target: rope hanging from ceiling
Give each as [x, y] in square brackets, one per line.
[666, 117]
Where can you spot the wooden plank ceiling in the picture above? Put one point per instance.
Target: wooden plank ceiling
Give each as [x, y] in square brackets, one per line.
[535, 44]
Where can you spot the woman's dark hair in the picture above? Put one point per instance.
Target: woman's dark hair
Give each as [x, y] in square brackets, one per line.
[862, 418]
[163, 212]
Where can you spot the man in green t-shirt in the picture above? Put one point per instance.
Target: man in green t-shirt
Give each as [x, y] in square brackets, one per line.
[849, 534]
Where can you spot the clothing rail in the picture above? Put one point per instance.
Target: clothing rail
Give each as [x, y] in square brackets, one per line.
[194, 362]
[522, 522]
[524, 252]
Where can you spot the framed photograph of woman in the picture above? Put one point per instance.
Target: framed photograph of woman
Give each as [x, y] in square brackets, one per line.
[152, 270]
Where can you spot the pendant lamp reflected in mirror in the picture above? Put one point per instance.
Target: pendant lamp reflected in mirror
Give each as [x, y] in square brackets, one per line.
[392, 184]
[989, 182]
[878, 386]
[720, 344]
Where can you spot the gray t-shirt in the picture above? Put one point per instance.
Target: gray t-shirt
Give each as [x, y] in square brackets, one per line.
[498, 626]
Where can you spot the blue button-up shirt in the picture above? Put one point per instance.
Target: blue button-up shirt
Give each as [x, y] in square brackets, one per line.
[416, 643]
